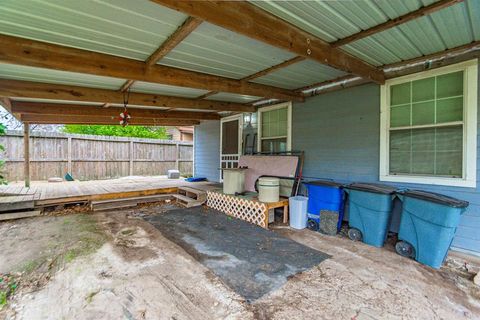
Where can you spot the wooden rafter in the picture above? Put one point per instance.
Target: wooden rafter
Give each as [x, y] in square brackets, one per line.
[251, 21]
[126, 85]
[26, 89]
[274, 68]
[261, 73]
[6, 103]
[397, 21]
[206, 95]
[41, 108]
[68, 119]
[181, 33]
[33, 53]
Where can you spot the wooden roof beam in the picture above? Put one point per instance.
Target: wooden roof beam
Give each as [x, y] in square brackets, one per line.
[181, 33]
[274, 68]
[41, 108]
[68, 119]
[426, 10]
[26, 89]
[206, 95]
[246, 19]
[178, 36]
[33, 53]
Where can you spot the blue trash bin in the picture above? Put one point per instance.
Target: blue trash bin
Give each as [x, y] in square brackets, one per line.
[324, 195]
[370, 211]
[427, 226]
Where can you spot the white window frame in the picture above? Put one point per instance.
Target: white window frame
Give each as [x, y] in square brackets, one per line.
[469, 175]
[289, 124]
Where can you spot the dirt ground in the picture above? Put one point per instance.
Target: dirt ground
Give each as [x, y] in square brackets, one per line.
[115, 265]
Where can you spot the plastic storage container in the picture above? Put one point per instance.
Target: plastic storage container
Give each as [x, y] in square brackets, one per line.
[233, 180]
[298, 212]
[268, 189]
[370, 208]
[324, 195]
[428, 225]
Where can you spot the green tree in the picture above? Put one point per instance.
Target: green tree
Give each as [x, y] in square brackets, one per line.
[118, 131]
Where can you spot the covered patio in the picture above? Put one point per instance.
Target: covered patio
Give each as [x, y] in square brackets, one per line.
[382, 92]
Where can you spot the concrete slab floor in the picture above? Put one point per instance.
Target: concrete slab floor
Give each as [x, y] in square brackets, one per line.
[132, 272]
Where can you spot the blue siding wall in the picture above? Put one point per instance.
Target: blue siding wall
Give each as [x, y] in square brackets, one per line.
[207, 150]
[340, 133]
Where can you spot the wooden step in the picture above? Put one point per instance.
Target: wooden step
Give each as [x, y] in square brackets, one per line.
[195, 194]
[127, 202]
[11, 203]
[188, 202]
[19, 215]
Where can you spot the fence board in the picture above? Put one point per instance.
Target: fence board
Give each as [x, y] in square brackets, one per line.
[93, 157]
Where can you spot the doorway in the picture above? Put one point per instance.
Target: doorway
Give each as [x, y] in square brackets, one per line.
[230, 141]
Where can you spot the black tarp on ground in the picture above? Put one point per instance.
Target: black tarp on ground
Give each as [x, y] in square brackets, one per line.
[250, 260]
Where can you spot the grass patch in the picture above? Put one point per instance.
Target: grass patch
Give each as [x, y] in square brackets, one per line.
[30, 265]
[8, 284]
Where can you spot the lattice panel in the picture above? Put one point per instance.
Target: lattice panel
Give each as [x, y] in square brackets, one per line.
[251, 211]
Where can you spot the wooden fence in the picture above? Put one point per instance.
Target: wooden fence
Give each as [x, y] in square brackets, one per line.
[93, 157]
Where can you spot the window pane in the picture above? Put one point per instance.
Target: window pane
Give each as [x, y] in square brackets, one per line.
[283, 114]
[423, 151]
[400, 151]
[275, 122]
[266, 117]
[423, 89]
[449, 151]
[400, 94]
[450, 110]
[432, 152]
[274, 145]
[449, 85]
[423, 113]
[400, 116]
[423, 140]
[266, 130]
[283, 128]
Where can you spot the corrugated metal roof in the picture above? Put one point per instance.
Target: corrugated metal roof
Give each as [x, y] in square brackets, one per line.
[232, 97]
[300, 75]
[132, 29]
[211, 49]
[18, 72]
[156, 88]
[332, 20]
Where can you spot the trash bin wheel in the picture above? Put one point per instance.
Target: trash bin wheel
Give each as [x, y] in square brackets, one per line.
[355, 234]
[312, 225]
[405, 249]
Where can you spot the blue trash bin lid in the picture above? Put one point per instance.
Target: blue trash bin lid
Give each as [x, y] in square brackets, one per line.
[372, 187]
[436, 197]
[325, 183]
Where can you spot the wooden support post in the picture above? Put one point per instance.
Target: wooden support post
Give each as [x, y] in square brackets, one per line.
[26, 153]
[177, 155]
[130, 165]
[69, 155]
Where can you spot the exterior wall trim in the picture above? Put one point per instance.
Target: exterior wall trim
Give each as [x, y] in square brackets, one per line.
[289, 123]
[470, 128]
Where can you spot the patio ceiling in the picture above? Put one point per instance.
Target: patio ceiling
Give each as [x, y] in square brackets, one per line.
[212, 56]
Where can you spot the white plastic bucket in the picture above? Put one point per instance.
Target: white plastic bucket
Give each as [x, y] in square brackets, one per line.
[298, 212]
[233, 181]
[268, 189]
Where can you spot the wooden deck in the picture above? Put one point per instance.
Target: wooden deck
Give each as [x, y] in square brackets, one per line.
[41, 194]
